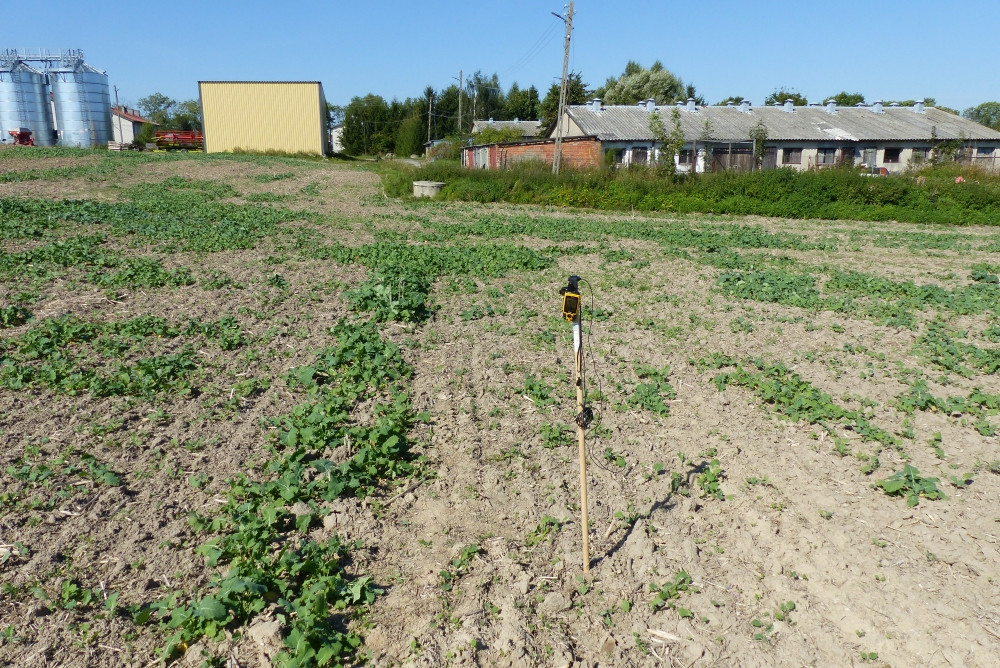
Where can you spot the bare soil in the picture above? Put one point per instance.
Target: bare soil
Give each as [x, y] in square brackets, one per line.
[873, 581]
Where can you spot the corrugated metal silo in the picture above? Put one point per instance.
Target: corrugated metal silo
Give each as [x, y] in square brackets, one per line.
[83, 105]
[24, 102]
[9, 118]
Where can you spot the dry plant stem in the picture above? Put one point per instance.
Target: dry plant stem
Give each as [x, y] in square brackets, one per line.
[581, 438]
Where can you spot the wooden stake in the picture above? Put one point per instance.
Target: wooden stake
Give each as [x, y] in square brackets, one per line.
[581, 437]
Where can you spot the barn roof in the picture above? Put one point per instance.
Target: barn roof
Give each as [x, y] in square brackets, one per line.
[783, 123]
[130, 115]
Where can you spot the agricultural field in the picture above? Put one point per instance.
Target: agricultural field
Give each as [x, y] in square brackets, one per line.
[255, 412]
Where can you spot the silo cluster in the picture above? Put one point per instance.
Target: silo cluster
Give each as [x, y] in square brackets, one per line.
[61, 99]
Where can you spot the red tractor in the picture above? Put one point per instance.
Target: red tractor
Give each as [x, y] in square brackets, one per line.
[22, 137]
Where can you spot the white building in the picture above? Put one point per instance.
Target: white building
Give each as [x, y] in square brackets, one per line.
[882, 138]
[127, 124]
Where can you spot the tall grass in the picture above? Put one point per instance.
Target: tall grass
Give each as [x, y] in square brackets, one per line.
[828, 194]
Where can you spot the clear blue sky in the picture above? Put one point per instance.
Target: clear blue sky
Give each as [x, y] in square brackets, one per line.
[889, 49]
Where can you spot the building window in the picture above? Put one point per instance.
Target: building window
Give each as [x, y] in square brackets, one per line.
[685, 157]
[891, 155]
[826, 156]
[614, 156]
[920, 154]
[639, 156]
[791, 156]
[985, 151]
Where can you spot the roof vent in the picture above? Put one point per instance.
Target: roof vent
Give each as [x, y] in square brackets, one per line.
[877, 107]
[861, 105]
[679, 103]
[595, 104]
[831, 106]
[894, 104]
[491, 120]
[918, 106]
[789, 105]
[730, 103]
[650, 105]
[745, 107]
[517, 120]
[691, 106]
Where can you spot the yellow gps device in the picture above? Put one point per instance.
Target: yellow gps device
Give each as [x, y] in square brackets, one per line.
[571, 305]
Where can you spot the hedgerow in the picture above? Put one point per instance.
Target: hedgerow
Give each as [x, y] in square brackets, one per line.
[829, 193]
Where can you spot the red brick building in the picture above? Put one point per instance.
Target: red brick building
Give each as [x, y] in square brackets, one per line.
[577, 152]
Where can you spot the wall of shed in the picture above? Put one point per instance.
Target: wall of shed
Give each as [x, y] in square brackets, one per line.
[258, 117]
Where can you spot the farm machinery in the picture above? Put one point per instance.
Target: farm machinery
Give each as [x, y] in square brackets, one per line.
[22, 137]
[182, 140]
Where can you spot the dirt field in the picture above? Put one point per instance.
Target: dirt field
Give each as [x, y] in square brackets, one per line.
[753, 382]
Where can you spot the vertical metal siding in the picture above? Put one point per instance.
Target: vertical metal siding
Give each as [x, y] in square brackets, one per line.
[263, 116]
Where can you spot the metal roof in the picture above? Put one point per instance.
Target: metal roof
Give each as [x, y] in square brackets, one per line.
[814, 123]
[527, 128]
[129, 115]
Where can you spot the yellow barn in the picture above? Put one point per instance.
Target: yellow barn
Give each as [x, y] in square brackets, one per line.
[264, 116]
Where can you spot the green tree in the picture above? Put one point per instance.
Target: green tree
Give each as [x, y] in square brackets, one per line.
[187, 116]
[670, 144]
[576, 93]
[334, 115]
[366, 126]
[758, 135]
[781, 94]
[638, 83]
[410, 136]
[157, 108]
[446, 113]
[845, 99]
[735, 99]
[987, 113]
[485, 97]
[522, 104]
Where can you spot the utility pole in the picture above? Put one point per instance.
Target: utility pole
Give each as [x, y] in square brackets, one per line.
[430, 107]
[460, 102]
[121, 137]
[557, 153]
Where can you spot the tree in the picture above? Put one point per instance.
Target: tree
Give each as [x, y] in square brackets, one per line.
[670, 144]
[366, 126]
[334, 115]
[987, 113]
[410, 136]
[638, 83]
[845, 99]
[158, 108]
[692, 94]
[486, 98]
[187, 116]
[758, 135]
[781, 94]
[735, 99]
[522, 104]
[576, 93]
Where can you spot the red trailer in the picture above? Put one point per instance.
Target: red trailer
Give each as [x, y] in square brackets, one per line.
[172, 140]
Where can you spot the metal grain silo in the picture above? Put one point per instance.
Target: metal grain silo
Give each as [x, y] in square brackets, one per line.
[83, 105]
[24, 102]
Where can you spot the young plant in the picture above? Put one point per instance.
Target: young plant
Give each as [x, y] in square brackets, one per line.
[910, 484]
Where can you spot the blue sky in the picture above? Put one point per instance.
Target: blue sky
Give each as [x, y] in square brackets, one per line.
[888, 50]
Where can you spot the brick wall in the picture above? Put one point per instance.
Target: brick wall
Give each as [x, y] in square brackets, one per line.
[578, 153]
